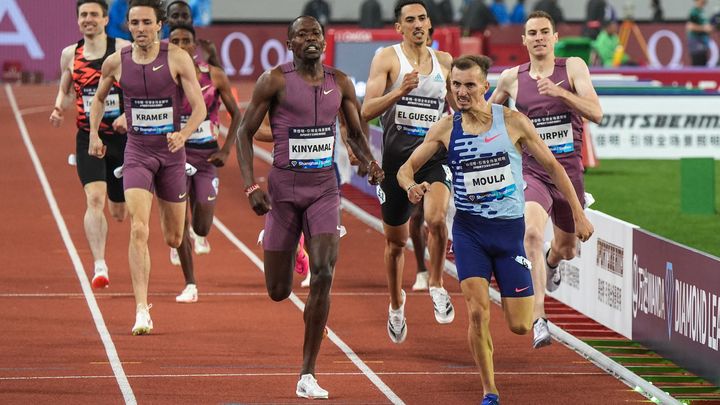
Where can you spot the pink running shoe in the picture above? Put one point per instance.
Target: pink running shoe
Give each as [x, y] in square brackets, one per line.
[302, 260]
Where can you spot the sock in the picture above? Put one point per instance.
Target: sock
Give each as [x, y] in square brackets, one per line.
[100, 264]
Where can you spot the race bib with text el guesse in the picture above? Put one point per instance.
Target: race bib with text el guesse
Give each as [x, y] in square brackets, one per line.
[112, 101]
[414, 115]
[556, 132]
[152, 116]
[488, 178]
[311, 147]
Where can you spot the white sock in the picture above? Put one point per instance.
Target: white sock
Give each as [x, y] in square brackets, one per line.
[100, 264]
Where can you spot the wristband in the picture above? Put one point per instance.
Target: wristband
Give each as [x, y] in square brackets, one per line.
[410, 187]
[251, 189]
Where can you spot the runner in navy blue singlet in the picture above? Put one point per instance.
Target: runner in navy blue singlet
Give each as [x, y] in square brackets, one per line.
[484, 142]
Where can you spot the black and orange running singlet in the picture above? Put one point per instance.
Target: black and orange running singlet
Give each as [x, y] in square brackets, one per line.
[86, 77]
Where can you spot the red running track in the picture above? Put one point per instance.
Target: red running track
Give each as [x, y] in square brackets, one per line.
[235, 345]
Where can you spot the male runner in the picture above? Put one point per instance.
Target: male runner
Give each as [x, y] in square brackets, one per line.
[203, 153]
[484, 144]
[153, 75]
[408, 84]
[80, 64]
[303, 98]
[556, 94]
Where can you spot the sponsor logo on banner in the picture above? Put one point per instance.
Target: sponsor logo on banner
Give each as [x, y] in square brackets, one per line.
[676, 303]
[636, 127]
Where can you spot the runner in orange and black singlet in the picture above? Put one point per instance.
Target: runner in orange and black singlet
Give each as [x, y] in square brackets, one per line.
[86, 76]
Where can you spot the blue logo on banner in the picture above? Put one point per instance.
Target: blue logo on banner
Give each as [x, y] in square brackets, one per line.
[669, 294]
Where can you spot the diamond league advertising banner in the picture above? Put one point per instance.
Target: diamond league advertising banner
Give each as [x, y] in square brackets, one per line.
[33, 33]
[676, 303]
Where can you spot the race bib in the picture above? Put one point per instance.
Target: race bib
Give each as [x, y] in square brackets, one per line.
[488, 179]
[152, 116]
[311, 147]
[556, 132]
[414, 115]
[205, 132]
[112, 102]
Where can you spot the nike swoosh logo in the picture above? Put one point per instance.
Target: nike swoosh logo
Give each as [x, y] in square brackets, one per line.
[204, 87]
[491, 138]
[519, 290]
[156, 68]
[327, 92]
[212, 197]
[181, 196]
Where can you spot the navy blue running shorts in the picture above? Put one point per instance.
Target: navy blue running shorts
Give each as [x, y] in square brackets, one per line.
[484, 247]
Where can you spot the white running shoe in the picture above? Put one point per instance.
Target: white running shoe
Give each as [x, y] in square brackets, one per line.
[188, 295]
[553, 274]
[421, 281]
[190, 170]
[143, 323]
[444, 310]
[306, 283]
[541, 334]
[174, 257]
[201, 245]
[118, 172]
[397, 325]
[308, 387]
[101, 279]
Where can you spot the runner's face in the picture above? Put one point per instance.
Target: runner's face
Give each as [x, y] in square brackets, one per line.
[539, 37]
[91, 20]
[179, 14]
[184, 39]
[143, 25]
[307, 41]
[468, 87]
[414, 24]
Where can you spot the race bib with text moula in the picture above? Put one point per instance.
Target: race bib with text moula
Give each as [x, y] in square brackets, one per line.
[488, 179]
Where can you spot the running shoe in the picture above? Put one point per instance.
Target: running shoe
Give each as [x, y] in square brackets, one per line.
[302, 260]
[306, 283]
[421, 281]
[397, 325]
[308, 387]
[101, 279]
[491, 399]
[553, 274]
[174, 257]
[541, 334]
[444, 310]
[143, 323]
[188, 295]
[201, 245]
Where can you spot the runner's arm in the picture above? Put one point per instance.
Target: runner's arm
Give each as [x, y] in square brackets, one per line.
[265, 91]
[222, 84]
[375, 102]
[586, 101]
[264, 132]
[502, 89]
[64, 94]
[110, 74]
[437, 137]
[356, 139]
[187, 76]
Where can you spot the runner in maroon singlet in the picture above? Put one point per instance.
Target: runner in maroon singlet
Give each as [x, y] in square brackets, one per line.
[80, 64]
[204, 154]
[556, 94]
[303, 98]
[153, 75]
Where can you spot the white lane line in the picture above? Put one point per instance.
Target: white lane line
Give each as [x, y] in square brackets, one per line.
[207, 294]
[364, 368]
[294, 374]
[112, 355]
